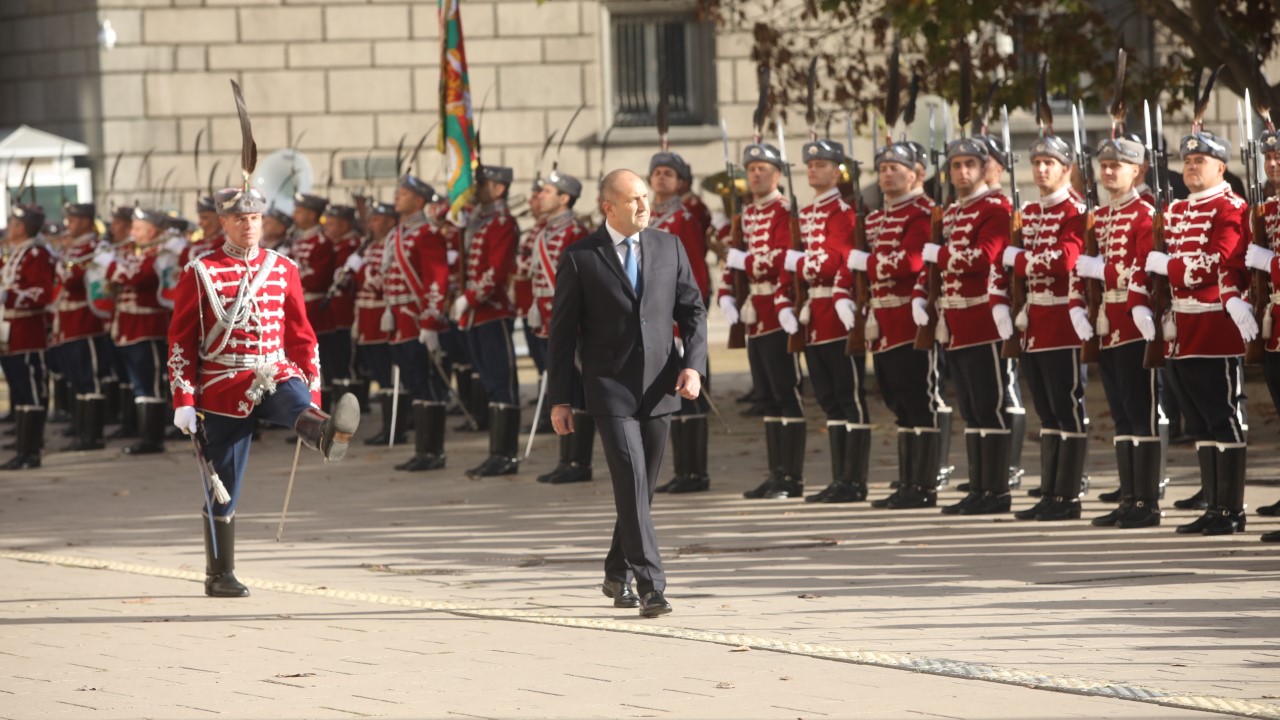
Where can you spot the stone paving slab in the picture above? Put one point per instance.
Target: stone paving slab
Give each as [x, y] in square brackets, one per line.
[1144, 608]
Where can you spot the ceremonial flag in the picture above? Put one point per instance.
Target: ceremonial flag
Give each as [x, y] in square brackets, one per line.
[457, 131]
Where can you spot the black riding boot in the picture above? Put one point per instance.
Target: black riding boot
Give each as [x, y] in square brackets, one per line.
[61, 411]
[152, 412]
[127, 407]
[995, 476]
[1230, 491]
[580, 451]
[1148, 460]
[92, 419]
[973, 451]
[1127, 494]
[219, 576]
[566, 456]
[1050, 445]
[945, 468]
[383, 401]
[773, 452]
[504, 440]
[425, 454]
[904, 470]
[678, 456]
[1207, 456]
[29, 438]
[695, 462]
[791, 443]
[1070, 476]
[857, 460]
[837, 436]
[330, 434]
[111, 391]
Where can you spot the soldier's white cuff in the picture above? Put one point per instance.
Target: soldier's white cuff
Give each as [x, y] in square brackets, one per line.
[736, 259]
[793, 258]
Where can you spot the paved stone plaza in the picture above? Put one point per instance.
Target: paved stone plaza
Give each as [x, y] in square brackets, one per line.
[431, 596]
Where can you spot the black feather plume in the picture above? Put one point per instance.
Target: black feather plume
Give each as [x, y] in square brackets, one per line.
[248, 148]
[196, 153]
[663, 113]
[1117, 109]
[556, 163]
[810, 110]
[413, 159]
[400, 154]
[1044, 113]
[115, 167]
[893, 89]
[213, 171]
[965, 111]
[762, 104]
[909, 112]
[984, 115]
[1202, 99]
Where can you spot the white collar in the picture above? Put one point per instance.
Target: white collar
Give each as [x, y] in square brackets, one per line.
[240, 253]
[1055, 197]
[1124, 198]
[827, 196]
[977, 193]
[618, 237]
[775, 195]
[903, 199]
[1209, 192]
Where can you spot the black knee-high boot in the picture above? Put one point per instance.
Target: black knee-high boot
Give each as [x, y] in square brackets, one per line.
[219, 576]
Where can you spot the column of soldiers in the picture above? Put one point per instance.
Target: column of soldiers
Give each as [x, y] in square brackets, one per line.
[402, 298]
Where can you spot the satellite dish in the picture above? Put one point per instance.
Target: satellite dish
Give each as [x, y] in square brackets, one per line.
[282, 174]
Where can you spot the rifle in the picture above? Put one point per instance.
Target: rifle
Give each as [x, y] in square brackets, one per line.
[1093, 287]
[795, 341]
[856, 344]
[1253, 350]
[1012, 347]
[1153, 357]
[738, 331]
[925, 336]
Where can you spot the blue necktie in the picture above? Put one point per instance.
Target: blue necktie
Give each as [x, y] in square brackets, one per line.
[630, 266]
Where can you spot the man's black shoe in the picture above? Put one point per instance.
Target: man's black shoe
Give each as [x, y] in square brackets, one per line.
[653, 605]
[622, 594]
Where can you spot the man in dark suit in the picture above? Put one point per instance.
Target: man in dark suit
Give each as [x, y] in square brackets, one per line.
[618, 293]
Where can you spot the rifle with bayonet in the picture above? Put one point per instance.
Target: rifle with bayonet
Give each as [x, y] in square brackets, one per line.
[1153, 356]
[1093, 287]
[1261, 285]
[796, 340]
[926, 335]
[856, 344]
[737, 331]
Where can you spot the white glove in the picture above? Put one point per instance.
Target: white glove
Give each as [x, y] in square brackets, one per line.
[1258, 258]
[729, 309]
[533, 318]
[176, 244]
[1145, 321]
[104, 258]
[1004, 322]
[920, 311]
[354, 263]
[787, 319]
[460, 306]
[1242, 313]
[930, 252]
[184, 418]
[1157, 262]
[847, 312]
[719, 220]
[736, 259]
[858, 260]
[451, 257]
[431, 339]
[793, 258]
[1011, 256]
[1089, 266]
[1080, 319]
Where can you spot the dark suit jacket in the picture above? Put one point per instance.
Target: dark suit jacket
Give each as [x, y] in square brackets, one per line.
[629, 359]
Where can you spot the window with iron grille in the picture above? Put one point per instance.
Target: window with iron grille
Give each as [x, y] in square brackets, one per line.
[653, 52]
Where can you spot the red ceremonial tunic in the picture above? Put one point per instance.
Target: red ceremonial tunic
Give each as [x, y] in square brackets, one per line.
[522, 286]
[1124, 239]
[140, 312]
[1206, 239]
[415, 279]
[700, 211]
[681, 220]
[1271, 318]
[490, 257]
[549, 244]
[1052, 240]
[197, 249]
[342, 306]
[316, 264]
[370, 301]
[225, 364]
[1145, 194]
[827, 227]
[766, 232]
[977, 232]
[75, 313]
[26, 281]
[896, 235]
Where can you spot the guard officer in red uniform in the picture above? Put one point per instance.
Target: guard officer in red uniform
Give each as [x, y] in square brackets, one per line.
[26, 286]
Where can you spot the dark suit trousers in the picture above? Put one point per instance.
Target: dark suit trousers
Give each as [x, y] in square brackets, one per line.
[633, 448]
